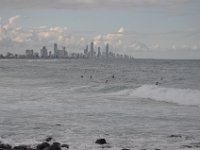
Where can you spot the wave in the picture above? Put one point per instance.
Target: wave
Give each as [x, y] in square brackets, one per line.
[101, 88]
[154, 92]
[174, 95]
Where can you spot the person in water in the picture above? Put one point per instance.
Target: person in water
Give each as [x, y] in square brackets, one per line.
[113, 76]
[158, 83]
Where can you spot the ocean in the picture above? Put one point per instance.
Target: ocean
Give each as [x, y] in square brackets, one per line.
[135, 104]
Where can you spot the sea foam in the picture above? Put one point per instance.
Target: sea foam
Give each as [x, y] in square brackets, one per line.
[174, 95]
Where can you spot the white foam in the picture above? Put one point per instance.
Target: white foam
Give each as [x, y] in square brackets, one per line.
[174, 95]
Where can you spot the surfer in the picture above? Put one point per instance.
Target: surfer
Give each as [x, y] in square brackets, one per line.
[113, 76]
[157, 83]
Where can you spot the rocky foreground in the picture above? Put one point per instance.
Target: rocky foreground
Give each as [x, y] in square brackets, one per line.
[51, 144]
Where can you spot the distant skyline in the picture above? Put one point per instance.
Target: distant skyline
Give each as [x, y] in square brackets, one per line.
[141, 28]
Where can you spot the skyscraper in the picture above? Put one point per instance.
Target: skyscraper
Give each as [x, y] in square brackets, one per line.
[44, 52]
[107, 50]
[50, 54]
[55, 50]
[29, 53]
[92, 46]
[99, 53]
[92, 53]
[86, 52]
[63, 52]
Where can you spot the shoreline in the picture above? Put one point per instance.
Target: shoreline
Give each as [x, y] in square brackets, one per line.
[51, 144]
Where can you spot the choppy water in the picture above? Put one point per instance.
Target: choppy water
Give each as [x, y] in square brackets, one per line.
[39, 98]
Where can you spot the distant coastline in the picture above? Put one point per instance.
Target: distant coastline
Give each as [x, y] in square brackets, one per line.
[88, 53]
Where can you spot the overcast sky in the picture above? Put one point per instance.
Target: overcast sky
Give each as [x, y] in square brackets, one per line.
[141, 28]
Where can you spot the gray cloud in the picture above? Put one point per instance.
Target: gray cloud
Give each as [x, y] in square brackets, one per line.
[13, 38]
[16, 39]
[71, 4]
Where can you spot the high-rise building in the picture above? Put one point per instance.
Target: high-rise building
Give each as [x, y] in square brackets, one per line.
[29, 53]
[36, 55]
[44, 52]
[60, 53]
[63, 52]
[92, 53]
[107, 50]
[86, 51]
[55, 50]
[92, 46]
[50, 54]
[99, 53]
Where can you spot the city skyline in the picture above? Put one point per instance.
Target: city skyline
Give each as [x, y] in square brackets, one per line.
[141, 28]
[57, 53]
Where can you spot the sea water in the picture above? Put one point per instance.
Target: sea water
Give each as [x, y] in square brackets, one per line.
[79, 101]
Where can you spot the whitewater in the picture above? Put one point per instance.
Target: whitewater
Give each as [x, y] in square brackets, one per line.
[134, 104]
[159, 93]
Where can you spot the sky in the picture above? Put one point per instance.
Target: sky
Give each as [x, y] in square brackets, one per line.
[168, 29]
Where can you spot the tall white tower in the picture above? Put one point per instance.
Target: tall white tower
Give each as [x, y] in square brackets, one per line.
[55, 50]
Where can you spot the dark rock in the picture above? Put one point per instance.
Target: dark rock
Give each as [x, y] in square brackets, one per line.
[101, 141]
[48, 139]
[157, 149]
[186, 146]
[176, 136]
[22, 147]
[56, 143]
[42, 146]
[192, 145]
[65, 145]
[5, 146]
[55, 146]
[125, 149]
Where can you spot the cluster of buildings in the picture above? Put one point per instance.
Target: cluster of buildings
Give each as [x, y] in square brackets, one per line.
[89, 53]
[92, 53]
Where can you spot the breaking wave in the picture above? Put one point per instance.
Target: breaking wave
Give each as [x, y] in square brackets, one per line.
[174, 95]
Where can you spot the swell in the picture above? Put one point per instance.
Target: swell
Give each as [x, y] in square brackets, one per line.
[165, 94]
[174, 95]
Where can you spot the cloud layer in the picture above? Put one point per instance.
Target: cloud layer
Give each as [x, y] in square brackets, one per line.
[16, 39]
[13, 37]
[70, 4]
